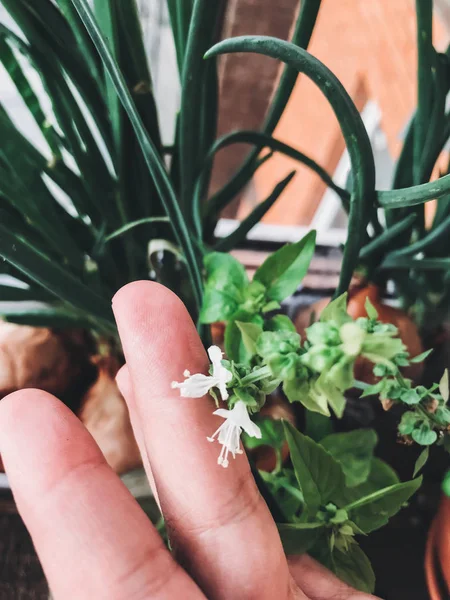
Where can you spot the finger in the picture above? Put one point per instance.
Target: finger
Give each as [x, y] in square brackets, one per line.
[124, 384]
[216, 516]
[319, 583]
[91, 536]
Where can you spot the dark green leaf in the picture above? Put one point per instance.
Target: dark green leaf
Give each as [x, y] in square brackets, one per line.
[53, 277]
[319, 476]
[240, 233]
[354, 451]
[354, 568]
[298, 538]
[272, 434]
[374, 510]
[153, 159]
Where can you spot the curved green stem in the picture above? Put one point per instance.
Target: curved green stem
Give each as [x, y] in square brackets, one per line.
[362, 200]
[301, 37]
[417, 194]
[261, 140]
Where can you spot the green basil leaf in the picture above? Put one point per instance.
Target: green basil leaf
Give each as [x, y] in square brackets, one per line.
[318, 474]
[373, 511]
[234, 342]
[354, 451]
[424, 435]
[279, 342]
[250, 333]
[284, 270]
[336, 311]
[298, 538]
[408, 422]
[222, 269]
[218, 305]
[354, 568]
[371, 311]
[279, 323]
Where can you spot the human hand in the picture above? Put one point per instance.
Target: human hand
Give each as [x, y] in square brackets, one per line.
[93, 539]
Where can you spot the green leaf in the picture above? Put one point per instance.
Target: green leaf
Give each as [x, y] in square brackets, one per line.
[424, 435]
[319, 476]
[240, 233]
[223, 269]
[250, 333]
[218, 305]
[280, 323]
[421, 461]
[354, 568]
[298, 538]
[408, 422]
[371, 311]
[152, 158]
[421, 357]
[410, 397]
[444, 386]
[354, 451]
[281, 342]
[284, 270]
[234, 343]
[202, 29]
[53, 277]
[374, 510]
[272, 434]
[129, 226]
[336, 311]
[317, 426]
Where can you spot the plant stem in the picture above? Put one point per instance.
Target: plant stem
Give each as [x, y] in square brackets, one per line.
[262, 373]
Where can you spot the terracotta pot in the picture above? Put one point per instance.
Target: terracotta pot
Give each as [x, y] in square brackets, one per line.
[437, 555]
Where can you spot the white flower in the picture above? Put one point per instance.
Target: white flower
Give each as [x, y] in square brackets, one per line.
[196, 386]
[229, 433]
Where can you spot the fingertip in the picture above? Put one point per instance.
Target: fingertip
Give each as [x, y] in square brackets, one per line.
[138, 296]
[20, 407]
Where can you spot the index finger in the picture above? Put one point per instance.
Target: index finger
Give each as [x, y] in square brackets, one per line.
[219, 523]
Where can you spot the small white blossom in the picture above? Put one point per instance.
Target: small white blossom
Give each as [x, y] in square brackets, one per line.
[198, 385]
[229, 433]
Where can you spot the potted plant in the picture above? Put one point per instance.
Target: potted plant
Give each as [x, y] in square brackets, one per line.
[111, 204]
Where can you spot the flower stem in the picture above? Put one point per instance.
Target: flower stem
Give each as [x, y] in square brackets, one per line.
[257, 375]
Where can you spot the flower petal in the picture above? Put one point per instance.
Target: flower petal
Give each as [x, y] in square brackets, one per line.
[196, 386]
[222, 412]
[215, 355]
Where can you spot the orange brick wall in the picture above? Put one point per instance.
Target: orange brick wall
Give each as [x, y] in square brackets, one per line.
[370, 45]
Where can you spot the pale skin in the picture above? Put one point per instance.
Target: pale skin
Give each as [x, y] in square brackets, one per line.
[92, 537]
